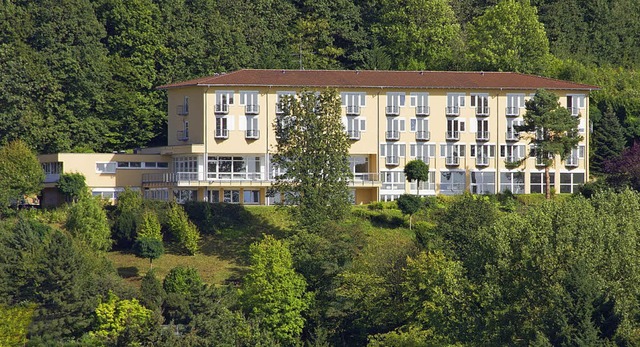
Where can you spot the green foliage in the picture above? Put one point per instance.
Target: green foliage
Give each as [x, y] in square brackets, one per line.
[72, 186]
[557, 130]
[149, 247]
[183, 229]
[508, 37]
[409, 204]
[313, 152]
[149, 226]
[20, 173]
[152, 293]
[14, 321]
[87, 220]
[126, 217]
[120, 322]
[607, 141]
[184, 281]
[273, 292]
[416, 170]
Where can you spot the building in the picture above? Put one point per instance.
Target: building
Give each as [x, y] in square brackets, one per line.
[220, 135]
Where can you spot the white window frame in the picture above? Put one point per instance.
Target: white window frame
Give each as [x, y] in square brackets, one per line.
[452, 187]
[106, 167]
[510, 184]
[480, 178]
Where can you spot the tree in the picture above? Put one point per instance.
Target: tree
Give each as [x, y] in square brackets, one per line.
[72, 185]
[508, 37]
[624, 170]
[273, 291]
[409, 204]
[149, 226]
[313, 152]
[127, 215]
[20, 173]
[151, 292]
[150, 248]
[556, 130]
[88, 221]
[608, 141]
[121, 322]
[417, 170]
[422, 34]
[183, 229]
[14, 321]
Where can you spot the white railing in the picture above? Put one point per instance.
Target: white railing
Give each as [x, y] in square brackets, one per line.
[182, 110]
[482, 135]
[572, 161]
[393, 110]
[393, 135]
[513, 111]
[222, 108]
[252, 134]
[423, 135]
[182, 135]
[512, 135]
[452, 160]
[482, 160]
[222, 134]
[482, 111]
[353, 134]
[452, 135]
[353, 110]
[452, 111]
[251, 109]
[575, 111]
[392, 160]
[422, 110]
[424, 158]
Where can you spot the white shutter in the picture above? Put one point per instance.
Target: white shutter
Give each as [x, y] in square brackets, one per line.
[345, 122]
[474, 125]
[243, 121]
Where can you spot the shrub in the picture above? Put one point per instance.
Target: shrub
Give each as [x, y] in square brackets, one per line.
[185, 232]
[149, 226]
[184, 281]
[150, 248]
[72, 186]
[87, 220]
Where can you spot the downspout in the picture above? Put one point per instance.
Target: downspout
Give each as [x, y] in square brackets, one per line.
[587, 136]
[267, 154]
[497, 150]
[378, 141]
[206, 145]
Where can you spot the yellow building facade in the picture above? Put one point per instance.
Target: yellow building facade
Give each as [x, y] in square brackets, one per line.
[221, 136]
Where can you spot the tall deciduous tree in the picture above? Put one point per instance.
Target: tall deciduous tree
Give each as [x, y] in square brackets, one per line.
[88, 221]
[417, 170]
[273, 292]
[508, 37]
[422, 34]
[72, 186]
[313, 151]
[552, 129]
[20, 173]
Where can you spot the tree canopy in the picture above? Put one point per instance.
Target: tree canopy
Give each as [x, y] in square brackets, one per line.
[20, 173]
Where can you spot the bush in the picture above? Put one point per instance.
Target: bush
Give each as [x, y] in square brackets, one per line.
[72, 186]
[127, 214]
[87, 220]
[149, 247]
[149, 226]
[184, 281]
[184, 231]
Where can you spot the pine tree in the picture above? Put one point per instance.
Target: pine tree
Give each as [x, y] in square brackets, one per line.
[607, 141]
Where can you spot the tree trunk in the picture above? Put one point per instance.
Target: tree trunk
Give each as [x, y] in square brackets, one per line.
[410, 227]
[150, 263]
[417, 188]
[547, 181]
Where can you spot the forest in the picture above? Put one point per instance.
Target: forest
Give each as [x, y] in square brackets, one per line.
[80, 75]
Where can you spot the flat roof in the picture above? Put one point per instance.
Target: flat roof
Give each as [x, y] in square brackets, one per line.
[380, 79]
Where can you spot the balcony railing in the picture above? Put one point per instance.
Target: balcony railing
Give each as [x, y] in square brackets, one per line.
[252, 109]
[393, 110]
[423, 135]
[424, 158]
[482, 136]
[222, 134]
[422, 110]
[393, 135]
[574, 111]
[513, 160]
[182, 110]
[512, 135]
[482, 160]
[353, 110]
[572, 161]
[482, 111]
[392, 160]
[182, 135]
[222, 108]
[353, 134]
[513, 111]
[452, 160]
[452, 135]
[452, 111]
[365, 178]
[252, 134]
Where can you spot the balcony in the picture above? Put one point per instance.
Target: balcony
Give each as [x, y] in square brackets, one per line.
[392, 135]
[423, 135]
[182, 110]
[252, 134]
[222, 134]
[512, 161]
[482, 160]
[393, 110]
[422, 110]
[512, 135]
[222, 108]
[365, 179]
[482, 136]
[182, 135]
[513, 111]
[452, 160]
[482, 111]
[252, 109]
[353, 134]
[452, 135]
[353, 110]
[574, 111]
[571, 161]
[423, 158]
[452, 111]
[392, 160]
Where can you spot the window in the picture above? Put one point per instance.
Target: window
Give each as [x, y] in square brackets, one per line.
[482, 131]
[234, 168]
[425, 187]
[575, 156]
[224, 98]
[537, 183]
[512, 153]
[570, 182]
[183, 109]
[183, 135]
[512, 133]
[483, 182]
[512, 181]
[250, 126]
[107, 193]
[186, 168]
[454, 102]
[52, 168]
[482, 153]
[231, 196]
[392, 152]
[279, 100]
[251, 197]
[156, 194]
[421, 127]
[129, 165]
[353, 102]
[393, 180]
[422, 151]
[109, 167]
[354, 126]
[213, 196]
[452, 182]
[514, 103]
[249, 99]
[421, 102]
[222, 127]
[454, 127]
[575, 103]
[359, 166]
[394, 127]
[452, 153]
[481, 104]
[394, 102]
[182, 196]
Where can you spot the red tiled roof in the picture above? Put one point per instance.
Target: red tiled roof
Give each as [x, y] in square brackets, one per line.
[377, 79]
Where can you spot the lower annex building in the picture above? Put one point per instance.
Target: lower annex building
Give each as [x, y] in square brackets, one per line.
[220, 136]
